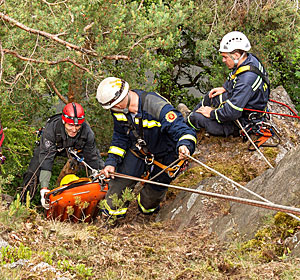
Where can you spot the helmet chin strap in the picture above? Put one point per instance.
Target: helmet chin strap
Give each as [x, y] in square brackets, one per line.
[125, 110]
[236, 61]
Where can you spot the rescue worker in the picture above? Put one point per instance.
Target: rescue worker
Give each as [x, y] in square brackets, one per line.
[247, 86]
[2, 157]
[62, 131]
[147, 129]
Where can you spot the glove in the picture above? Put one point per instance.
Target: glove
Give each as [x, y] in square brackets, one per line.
[2, 159]
[43, 193]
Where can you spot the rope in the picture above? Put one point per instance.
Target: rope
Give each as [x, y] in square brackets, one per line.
[238, 122]
[162, 171]
[235, 183]
[256, 203]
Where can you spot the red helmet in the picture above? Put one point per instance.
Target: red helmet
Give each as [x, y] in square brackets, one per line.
[73, 113]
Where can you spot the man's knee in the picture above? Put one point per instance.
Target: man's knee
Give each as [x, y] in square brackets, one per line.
[196, 120]
[149, 199]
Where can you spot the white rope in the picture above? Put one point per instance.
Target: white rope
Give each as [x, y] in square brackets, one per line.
[235, 183]
[238, 122]
[266, 205]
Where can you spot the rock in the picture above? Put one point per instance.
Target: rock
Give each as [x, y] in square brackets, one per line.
[44, 267]
[189, 209]
[289, 128]
[3, 243]
[280, 185]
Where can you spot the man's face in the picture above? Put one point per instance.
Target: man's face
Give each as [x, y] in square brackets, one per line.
[228, 60]
[121, 105]
[72, 129]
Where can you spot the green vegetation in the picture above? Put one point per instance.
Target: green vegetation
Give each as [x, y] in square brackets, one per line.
[132, 41]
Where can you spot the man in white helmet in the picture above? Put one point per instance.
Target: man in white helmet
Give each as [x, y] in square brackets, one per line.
[247, 86]
[149, 134]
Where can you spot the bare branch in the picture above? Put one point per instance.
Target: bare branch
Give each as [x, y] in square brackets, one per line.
[47, 62]
[213, 23]
[47, 35]
[89, 26]
[116, 57]
[53, 4]
[58, 93]
[141, 4]
[1, 61]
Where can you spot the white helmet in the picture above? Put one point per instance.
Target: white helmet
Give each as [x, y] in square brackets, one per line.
[111, 91]
[234, 40]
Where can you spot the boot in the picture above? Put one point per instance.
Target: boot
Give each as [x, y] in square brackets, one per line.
[184, 110]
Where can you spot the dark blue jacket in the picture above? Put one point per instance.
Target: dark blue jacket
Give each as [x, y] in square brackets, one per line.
[163, 127]
[245, 90]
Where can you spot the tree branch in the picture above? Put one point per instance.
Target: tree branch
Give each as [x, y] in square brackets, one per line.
[1, 61]
[116, 57]
[47, 35]
[58, 93]
[140, 40]
[47, 62]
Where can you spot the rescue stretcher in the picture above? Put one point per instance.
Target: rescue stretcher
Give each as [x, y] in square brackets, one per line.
[76, 201]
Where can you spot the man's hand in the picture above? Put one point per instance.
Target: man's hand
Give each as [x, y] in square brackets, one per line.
[216, 91]
[43, 193]
[183, 151]
[107, 170]
[205, 111]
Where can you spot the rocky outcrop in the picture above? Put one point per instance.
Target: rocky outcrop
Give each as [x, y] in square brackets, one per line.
[280, 185]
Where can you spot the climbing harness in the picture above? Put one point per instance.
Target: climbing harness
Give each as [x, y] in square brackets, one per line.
[172, 170]
[264, 131]
[267, 205]
[141, 150]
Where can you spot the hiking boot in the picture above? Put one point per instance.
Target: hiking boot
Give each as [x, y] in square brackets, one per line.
[184, 110]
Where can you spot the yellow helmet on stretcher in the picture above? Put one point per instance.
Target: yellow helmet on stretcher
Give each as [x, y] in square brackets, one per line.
[68, 179]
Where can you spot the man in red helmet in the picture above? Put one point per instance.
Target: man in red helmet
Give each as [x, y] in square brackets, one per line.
[62, 131]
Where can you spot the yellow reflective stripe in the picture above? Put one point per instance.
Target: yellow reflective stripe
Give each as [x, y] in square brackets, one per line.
[117, 151]
[188, 137]
[190, 123]
[221, 98]
[258, 80]
[240, 70]
[234, 107]
[257, 83]
[216, 115]
[142, 207]
[148, 124]
[120, 211]
[120, 117]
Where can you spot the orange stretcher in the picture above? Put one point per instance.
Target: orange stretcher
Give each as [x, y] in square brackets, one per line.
[76, 201]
